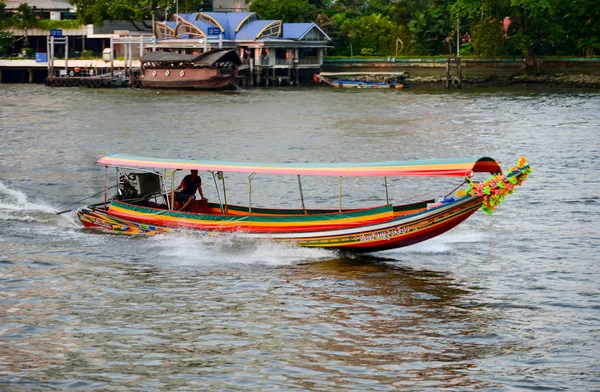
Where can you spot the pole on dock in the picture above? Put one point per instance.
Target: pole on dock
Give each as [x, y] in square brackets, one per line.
[67, 55]
[459, 71]
[448, 75]
[112, 58]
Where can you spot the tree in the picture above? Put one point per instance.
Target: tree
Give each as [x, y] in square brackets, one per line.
[96, 12]
[5, 17]
[6, 41]
[24, 16]
[373, 34]
[291, 11]
[430, 30]
[582, 25]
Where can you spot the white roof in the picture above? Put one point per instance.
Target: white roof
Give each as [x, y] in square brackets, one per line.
[40, 4]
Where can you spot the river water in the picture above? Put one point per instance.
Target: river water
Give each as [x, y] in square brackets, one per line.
[506, 302]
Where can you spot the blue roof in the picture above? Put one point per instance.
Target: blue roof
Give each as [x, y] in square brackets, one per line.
[235, 18]
[188, 17]
[202, 25]
[296, 30]
[222, 19]
[250, 30]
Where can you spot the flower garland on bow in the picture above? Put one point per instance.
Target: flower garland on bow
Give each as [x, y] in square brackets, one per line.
[497, 186]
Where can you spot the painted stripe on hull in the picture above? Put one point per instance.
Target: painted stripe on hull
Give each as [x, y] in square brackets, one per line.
[389, 235]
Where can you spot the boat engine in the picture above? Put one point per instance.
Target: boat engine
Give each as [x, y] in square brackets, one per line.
[127, 188]
[138, 186]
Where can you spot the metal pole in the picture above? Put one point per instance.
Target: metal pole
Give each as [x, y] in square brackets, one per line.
[340, 193]
[218, 194]
[250, 193]
[105, 190]
[301, 195]
[387, 196]
[224, 190]
[173, 191]
[67, 54]
[457, 36]
[112, 58]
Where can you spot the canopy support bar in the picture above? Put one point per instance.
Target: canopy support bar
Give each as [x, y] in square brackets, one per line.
[105, 190]
[301, 195]
[387, 195]
[340, 193]
[221, 176]
[170, 200]
[250, 193]
[218, 193]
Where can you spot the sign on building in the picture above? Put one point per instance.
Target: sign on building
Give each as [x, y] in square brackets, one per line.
[214, 31]
[56, 33]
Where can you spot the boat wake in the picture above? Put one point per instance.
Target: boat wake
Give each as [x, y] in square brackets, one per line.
[445, 243]
[16, 206]
[194, 250]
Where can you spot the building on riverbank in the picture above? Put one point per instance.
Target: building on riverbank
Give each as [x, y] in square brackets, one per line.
[272, 51]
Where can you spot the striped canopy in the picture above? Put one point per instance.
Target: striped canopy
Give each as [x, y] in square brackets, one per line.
[426, 168]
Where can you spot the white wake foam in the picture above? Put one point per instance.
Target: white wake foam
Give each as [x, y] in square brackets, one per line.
[444, 243]
[193, 250]
[16, 206]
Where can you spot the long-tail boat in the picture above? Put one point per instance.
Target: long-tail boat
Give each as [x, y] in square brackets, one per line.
[362, 81]
[144, 204]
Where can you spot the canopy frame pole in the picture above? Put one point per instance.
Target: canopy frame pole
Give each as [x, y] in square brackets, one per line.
[250, 193]
[170, 205]
[301, 195]
[387, 195]
[221, 176]
[105, 189]
[340, 193]
[173, 191]
[218, 193]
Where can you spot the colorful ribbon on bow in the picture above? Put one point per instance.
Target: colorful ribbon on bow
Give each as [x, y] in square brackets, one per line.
[498, 186]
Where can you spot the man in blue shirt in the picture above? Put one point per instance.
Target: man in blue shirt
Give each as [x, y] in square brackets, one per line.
[186, 192]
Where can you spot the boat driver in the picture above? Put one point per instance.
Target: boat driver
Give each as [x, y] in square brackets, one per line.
[186, 192]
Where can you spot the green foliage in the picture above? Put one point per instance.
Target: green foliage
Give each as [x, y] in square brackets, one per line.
[366, 52]
[432, 31]
[375, 34]
[87, 54]
[47, 24]
[290, 11]
[488, 38]
[6, 41]
[388, 27]
[466, 49]
[96, 12]
[24, 16]
[5, 18]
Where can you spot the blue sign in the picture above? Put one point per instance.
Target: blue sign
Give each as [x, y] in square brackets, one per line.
[56, 33]
[41, 57]
[214, 31]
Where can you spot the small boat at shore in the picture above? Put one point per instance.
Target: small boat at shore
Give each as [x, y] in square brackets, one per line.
[360, 82]
[212, 70]
[143, 204]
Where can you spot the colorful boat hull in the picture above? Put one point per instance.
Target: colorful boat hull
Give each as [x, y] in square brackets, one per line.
[359, 231]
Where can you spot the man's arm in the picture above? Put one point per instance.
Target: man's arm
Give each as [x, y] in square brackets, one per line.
[200, 191]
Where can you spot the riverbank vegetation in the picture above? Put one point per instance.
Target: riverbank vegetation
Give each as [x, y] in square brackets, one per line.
[483, 28]
[486, 28]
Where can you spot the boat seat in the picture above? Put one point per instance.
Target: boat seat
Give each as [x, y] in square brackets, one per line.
[198, 206]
